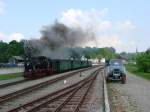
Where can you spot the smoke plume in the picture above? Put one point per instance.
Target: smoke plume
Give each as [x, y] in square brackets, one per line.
[57, 41]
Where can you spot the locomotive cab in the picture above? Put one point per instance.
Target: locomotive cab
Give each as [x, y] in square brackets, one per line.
[36, 66]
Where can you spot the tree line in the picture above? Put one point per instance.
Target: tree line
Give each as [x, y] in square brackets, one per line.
[14, 48]
[7, 50]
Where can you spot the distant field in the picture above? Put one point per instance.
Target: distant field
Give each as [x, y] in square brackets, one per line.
[10, 76]
[133, 69]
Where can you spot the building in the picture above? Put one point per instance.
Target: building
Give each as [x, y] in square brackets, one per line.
[18, 60]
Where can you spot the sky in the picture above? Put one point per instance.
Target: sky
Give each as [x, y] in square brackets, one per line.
[122, 24]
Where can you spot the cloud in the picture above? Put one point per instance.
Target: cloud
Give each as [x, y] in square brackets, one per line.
[14, 36]
[108, 33]
[125, 26]
[1, 6]
[79, 18]
[116, 42]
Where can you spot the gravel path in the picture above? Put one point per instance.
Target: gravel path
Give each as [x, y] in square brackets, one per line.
[134, 96]
[11, 70]
[43, 91]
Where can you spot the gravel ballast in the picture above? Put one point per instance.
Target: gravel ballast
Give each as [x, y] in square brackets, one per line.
[43, 91]
[17, 87]
[11, 80]
[94, 99]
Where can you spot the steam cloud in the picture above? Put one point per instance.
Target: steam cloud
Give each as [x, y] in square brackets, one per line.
[58, 40]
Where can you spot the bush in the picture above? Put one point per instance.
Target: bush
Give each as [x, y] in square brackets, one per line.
[143, 61]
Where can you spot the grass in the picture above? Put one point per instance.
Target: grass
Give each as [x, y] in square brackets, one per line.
[10, 76]
[133, 69]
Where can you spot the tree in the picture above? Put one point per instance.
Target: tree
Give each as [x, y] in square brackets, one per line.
[12, 48]
[143, 61]
[3, 51]
[106, 53]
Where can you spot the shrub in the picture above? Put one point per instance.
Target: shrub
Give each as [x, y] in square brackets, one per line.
[143, 61]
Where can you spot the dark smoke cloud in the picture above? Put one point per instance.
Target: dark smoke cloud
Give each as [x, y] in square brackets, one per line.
[56, 40]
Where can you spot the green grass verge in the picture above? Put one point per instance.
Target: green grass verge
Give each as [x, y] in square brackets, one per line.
[10, 76]
[133, 69]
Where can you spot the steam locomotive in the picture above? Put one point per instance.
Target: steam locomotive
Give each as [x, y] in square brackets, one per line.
[40, 66]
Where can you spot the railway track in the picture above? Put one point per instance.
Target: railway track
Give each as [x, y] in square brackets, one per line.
[18, 93]
[12, 83]
[68, 99]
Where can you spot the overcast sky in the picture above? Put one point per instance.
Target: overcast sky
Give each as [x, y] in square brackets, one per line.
[123, 24]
